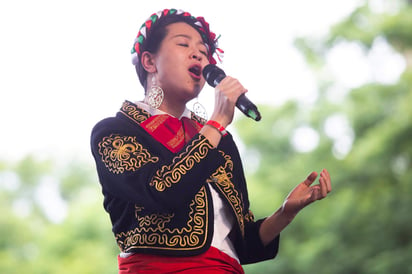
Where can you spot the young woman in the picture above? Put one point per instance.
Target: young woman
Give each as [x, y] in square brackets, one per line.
[173, 182]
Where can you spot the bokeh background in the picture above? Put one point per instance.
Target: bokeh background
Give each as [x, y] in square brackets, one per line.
[332, 79]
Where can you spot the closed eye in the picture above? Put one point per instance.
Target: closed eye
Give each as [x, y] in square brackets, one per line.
[187, 45]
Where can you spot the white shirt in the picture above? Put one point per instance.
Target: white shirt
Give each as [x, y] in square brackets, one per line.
[222, 226]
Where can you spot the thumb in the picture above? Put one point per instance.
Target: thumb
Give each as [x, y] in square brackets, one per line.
[311, 178]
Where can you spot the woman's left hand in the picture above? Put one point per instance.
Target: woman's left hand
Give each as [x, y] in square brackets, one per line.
[305, 193]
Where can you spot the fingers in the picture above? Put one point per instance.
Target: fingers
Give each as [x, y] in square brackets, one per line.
[328, 180]
[325, 175]
[226, 95]
[232, 88]
[325, 184]
[322, 189]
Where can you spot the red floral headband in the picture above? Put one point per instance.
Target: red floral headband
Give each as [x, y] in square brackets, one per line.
[199, 22]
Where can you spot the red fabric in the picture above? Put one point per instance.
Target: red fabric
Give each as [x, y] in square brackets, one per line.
[171, 132]
[213, 261]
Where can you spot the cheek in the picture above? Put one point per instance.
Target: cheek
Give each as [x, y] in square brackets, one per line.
[168, 62]
[164, 69]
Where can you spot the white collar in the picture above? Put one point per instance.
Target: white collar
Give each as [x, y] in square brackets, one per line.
[154, 111]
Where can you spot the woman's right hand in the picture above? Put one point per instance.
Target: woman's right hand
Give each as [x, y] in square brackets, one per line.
[226, 95]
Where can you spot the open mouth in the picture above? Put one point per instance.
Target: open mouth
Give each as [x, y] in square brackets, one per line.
[195, 71]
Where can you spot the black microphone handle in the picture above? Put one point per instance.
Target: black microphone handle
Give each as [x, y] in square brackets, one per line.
[248, 108]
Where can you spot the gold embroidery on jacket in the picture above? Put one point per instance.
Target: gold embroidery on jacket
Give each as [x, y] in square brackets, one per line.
[168, 175]
[222, 178]
[153, 230]
[133, 112]
[123, 153]
[160, 220]
[249, 217]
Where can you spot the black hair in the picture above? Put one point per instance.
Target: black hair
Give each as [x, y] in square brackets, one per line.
[155, 37]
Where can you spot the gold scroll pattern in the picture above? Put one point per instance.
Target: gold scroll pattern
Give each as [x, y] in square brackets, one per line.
[134, 113]
[168, 175]
[123, 153]
[153, 230]
[222, 178]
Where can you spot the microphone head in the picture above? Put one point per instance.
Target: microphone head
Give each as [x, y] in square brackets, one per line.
[213, 74]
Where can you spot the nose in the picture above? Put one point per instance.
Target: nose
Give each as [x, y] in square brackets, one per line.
[197, 55]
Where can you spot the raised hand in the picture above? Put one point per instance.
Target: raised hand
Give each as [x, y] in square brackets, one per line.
[305, 193]
[226, 95]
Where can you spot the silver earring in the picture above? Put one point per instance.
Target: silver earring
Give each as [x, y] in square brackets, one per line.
[199, 109]
[155, 95]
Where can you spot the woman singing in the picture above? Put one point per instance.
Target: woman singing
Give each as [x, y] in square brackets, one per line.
[173, 182]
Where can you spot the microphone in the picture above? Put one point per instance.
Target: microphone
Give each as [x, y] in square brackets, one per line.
[214, 75]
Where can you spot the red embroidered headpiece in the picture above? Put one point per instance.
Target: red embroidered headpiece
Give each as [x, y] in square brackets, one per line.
[198, 22]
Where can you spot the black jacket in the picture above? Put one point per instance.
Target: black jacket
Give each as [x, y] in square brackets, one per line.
[158, 200]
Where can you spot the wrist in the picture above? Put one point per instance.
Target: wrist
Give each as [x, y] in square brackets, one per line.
[287, 213]
[217, 126]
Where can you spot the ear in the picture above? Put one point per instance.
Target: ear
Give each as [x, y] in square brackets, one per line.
[148, 62]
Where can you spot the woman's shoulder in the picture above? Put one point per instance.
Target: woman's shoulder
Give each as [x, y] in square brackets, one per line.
[126, 119]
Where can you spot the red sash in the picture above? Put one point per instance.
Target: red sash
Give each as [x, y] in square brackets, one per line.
[212, 261]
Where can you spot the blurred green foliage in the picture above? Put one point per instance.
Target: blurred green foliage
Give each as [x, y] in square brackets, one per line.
[364, 140]
[365, 226]
[33, 241]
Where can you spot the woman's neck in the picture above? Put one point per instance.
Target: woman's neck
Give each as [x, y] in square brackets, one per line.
[173, 110]
[173, 105]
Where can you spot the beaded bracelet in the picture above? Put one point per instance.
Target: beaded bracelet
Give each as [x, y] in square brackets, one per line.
[217, 126]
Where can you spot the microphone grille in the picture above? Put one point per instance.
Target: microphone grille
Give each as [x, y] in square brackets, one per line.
[211, 73]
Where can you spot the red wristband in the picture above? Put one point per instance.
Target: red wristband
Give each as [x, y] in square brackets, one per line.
[217, 126]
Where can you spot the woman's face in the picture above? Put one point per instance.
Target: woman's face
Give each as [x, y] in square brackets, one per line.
[179, 63]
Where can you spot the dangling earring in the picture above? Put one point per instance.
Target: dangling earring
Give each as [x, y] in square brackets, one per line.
[199, 109]
[155, 95]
